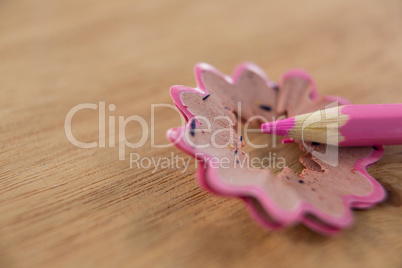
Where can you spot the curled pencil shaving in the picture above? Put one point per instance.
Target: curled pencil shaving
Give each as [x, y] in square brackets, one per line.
[321, 197]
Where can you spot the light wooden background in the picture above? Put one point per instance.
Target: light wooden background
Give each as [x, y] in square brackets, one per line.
[62, 206]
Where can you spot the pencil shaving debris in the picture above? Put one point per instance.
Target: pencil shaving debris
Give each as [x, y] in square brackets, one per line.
[320, 197]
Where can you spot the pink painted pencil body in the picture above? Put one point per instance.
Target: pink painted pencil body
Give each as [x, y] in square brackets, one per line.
[360, 125]
[379, 124]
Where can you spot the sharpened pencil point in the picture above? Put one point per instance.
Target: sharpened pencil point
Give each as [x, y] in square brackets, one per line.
[280, 127]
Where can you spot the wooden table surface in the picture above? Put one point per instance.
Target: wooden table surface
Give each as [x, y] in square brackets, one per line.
[64, 206]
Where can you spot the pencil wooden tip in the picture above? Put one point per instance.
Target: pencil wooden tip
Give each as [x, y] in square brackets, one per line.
[280, 127]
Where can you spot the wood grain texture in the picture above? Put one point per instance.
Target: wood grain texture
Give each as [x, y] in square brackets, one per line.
[63, 206]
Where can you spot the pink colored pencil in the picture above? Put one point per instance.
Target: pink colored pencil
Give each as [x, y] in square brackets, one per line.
[348, 125]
